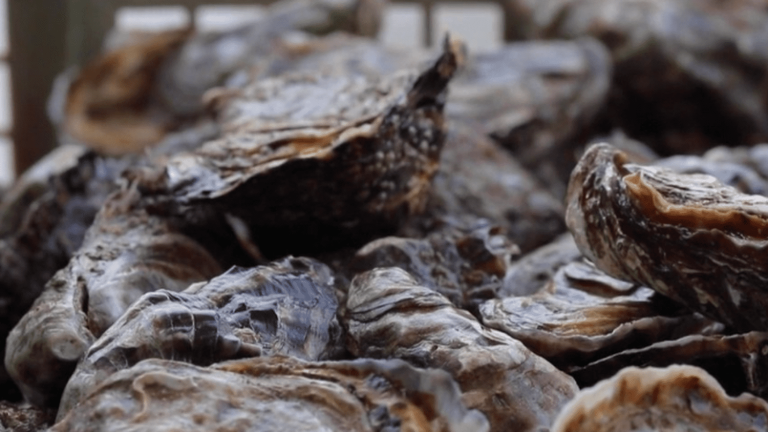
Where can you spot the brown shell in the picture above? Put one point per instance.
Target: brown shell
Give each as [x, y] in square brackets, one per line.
[275, 394]
[678, 398]
[688, 237]
[126, 252]
[287, 307]
[391, 316]
[584, 314]
[310, 161]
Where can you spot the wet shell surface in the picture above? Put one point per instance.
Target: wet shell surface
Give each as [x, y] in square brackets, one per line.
[688, 237]
[276, 394]
[287, 307]
[584, 314]
[126, 252]
[392, 316]
[677, 398]
[310, 160]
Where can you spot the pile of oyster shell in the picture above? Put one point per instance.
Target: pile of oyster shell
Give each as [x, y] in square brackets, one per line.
[288, 226]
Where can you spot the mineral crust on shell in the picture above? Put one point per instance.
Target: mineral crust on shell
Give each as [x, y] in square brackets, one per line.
[678, 398]
[287, 307]
[391, 316]
[126, 253]
[584, 314]
[688, 237]
[275, 394]
[311, 161]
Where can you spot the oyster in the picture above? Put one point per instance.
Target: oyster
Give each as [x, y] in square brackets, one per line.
[275, 394]
[688, 237]
[738, 362]
[288, 307]
[391, 316]
[584, 315]
[466, 267]
[126, 252]
[689, 74]
[313, 161]
[678, 398]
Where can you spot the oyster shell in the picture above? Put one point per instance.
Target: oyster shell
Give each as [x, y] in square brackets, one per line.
[584, 315]
[126, 252]
[688, 237]
[391, 316]
[738, 362]
[275, 394]
[465, 267]
[44, 219]
[315, 161]
[678, 398]
[688, 75]
[287, 307]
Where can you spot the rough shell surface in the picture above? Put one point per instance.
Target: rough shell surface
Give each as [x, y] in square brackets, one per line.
[688, 74]
[738, 362]
[24, 418]
[688, 237]
[43, 222]
[678, 398]
[310, 161]
[275, 394]
[584, 314]
[467, 267]
[126, 252]
[287, 307]
[391, 316]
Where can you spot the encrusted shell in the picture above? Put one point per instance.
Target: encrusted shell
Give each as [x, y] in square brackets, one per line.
[688, 237]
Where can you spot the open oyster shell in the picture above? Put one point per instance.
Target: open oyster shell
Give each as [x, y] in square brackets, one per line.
[688, 237]
[678, 398]
[126, 252]
[391, 316]
[287, 307]
[275, 394]
[313, 161]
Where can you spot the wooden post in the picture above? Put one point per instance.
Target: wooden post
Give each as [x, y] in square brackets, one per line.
[37, 34]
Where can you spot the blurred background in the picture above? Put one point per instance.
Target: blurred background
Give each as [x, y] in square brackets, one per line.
[479, 24]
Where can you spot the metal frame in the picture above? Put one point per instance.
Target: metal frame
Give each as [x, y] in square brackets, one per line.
[48, 35]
